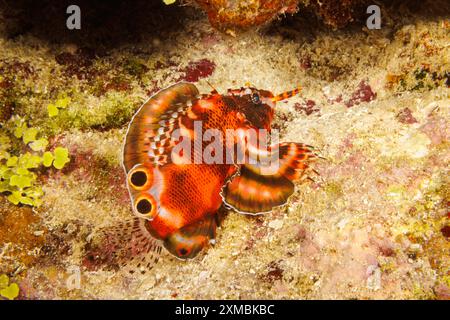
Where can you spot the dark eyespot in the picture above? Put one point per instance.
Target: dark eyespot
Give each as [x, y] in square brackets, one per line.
[138, 178]
[182, 251]
[255, 98]
[144, 206]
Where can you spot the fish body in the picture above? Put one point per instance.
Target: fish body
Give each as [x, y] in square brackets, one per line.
[182, 168]
[188, 157]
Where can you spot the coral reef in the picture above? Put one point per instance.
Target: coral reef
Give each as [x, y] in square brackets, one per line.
[374, 224]
[229, 15]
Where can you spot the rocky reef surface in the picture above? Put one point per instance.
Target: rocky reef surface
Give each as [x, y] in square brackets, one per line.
[374, 224]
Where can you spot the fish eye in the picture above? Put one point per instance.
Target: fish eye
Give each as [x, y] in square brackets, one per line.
[255, 98]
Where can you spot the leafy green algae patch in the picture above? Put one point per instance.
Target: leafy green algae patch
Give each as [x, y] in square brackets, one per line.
[23, 156]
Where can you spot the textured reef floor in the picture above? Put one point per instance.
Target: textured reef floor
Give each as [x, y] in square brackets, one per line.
[373, 225]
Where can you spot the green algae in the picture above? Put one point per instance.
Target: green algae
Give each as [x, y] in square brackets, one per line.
[134, 67]
[8, 290]
[333, 189]
[421, 79]
[61, 103]
[20, 165]
[113, 111]
[421, 293]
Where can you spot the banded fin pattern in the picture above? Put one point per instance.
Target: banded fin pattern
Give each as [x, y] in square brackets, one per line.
[127, 245]
[148, 137]
[260, 187]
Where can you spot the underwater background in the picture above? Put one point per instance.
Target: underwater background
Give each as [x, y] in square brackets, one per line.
[374, 224]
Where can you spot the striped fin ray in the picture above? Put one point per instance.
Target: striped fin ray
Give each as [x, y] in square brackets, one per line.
[127, 246]
[260, 187]
[148, 137]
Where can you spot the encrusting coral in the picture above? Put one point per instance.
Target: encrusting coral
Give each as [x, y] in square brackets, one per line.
[230, 15]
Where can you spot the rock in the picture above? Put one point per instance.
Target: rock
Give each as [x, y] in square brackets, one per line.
[276, 224]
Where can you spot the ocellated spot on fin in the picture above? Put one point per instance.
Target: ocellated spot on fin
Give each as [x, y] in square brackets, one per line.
[127, 246]
[187, 242]
[139, 180]
[140, 177]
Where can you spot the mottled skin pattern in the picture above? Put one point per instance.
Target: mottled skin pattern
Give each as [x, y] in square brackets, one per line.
[180, 202]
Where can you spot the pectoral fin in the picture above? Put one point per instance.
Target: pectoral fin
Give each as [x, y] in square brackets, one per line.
[254, 193]
[267, 184]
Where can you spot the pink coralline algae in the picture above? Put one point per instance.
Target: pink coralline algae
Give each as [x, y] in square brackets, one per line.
[405, 116]
[197, 70]
[275, 272]
[436, 129]
[77, 64]
[442, 292]
[446, 231]
[385, 246]
[337, 99]
[364, 93]
[309, 107]
[193, 72]
[305, 63]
